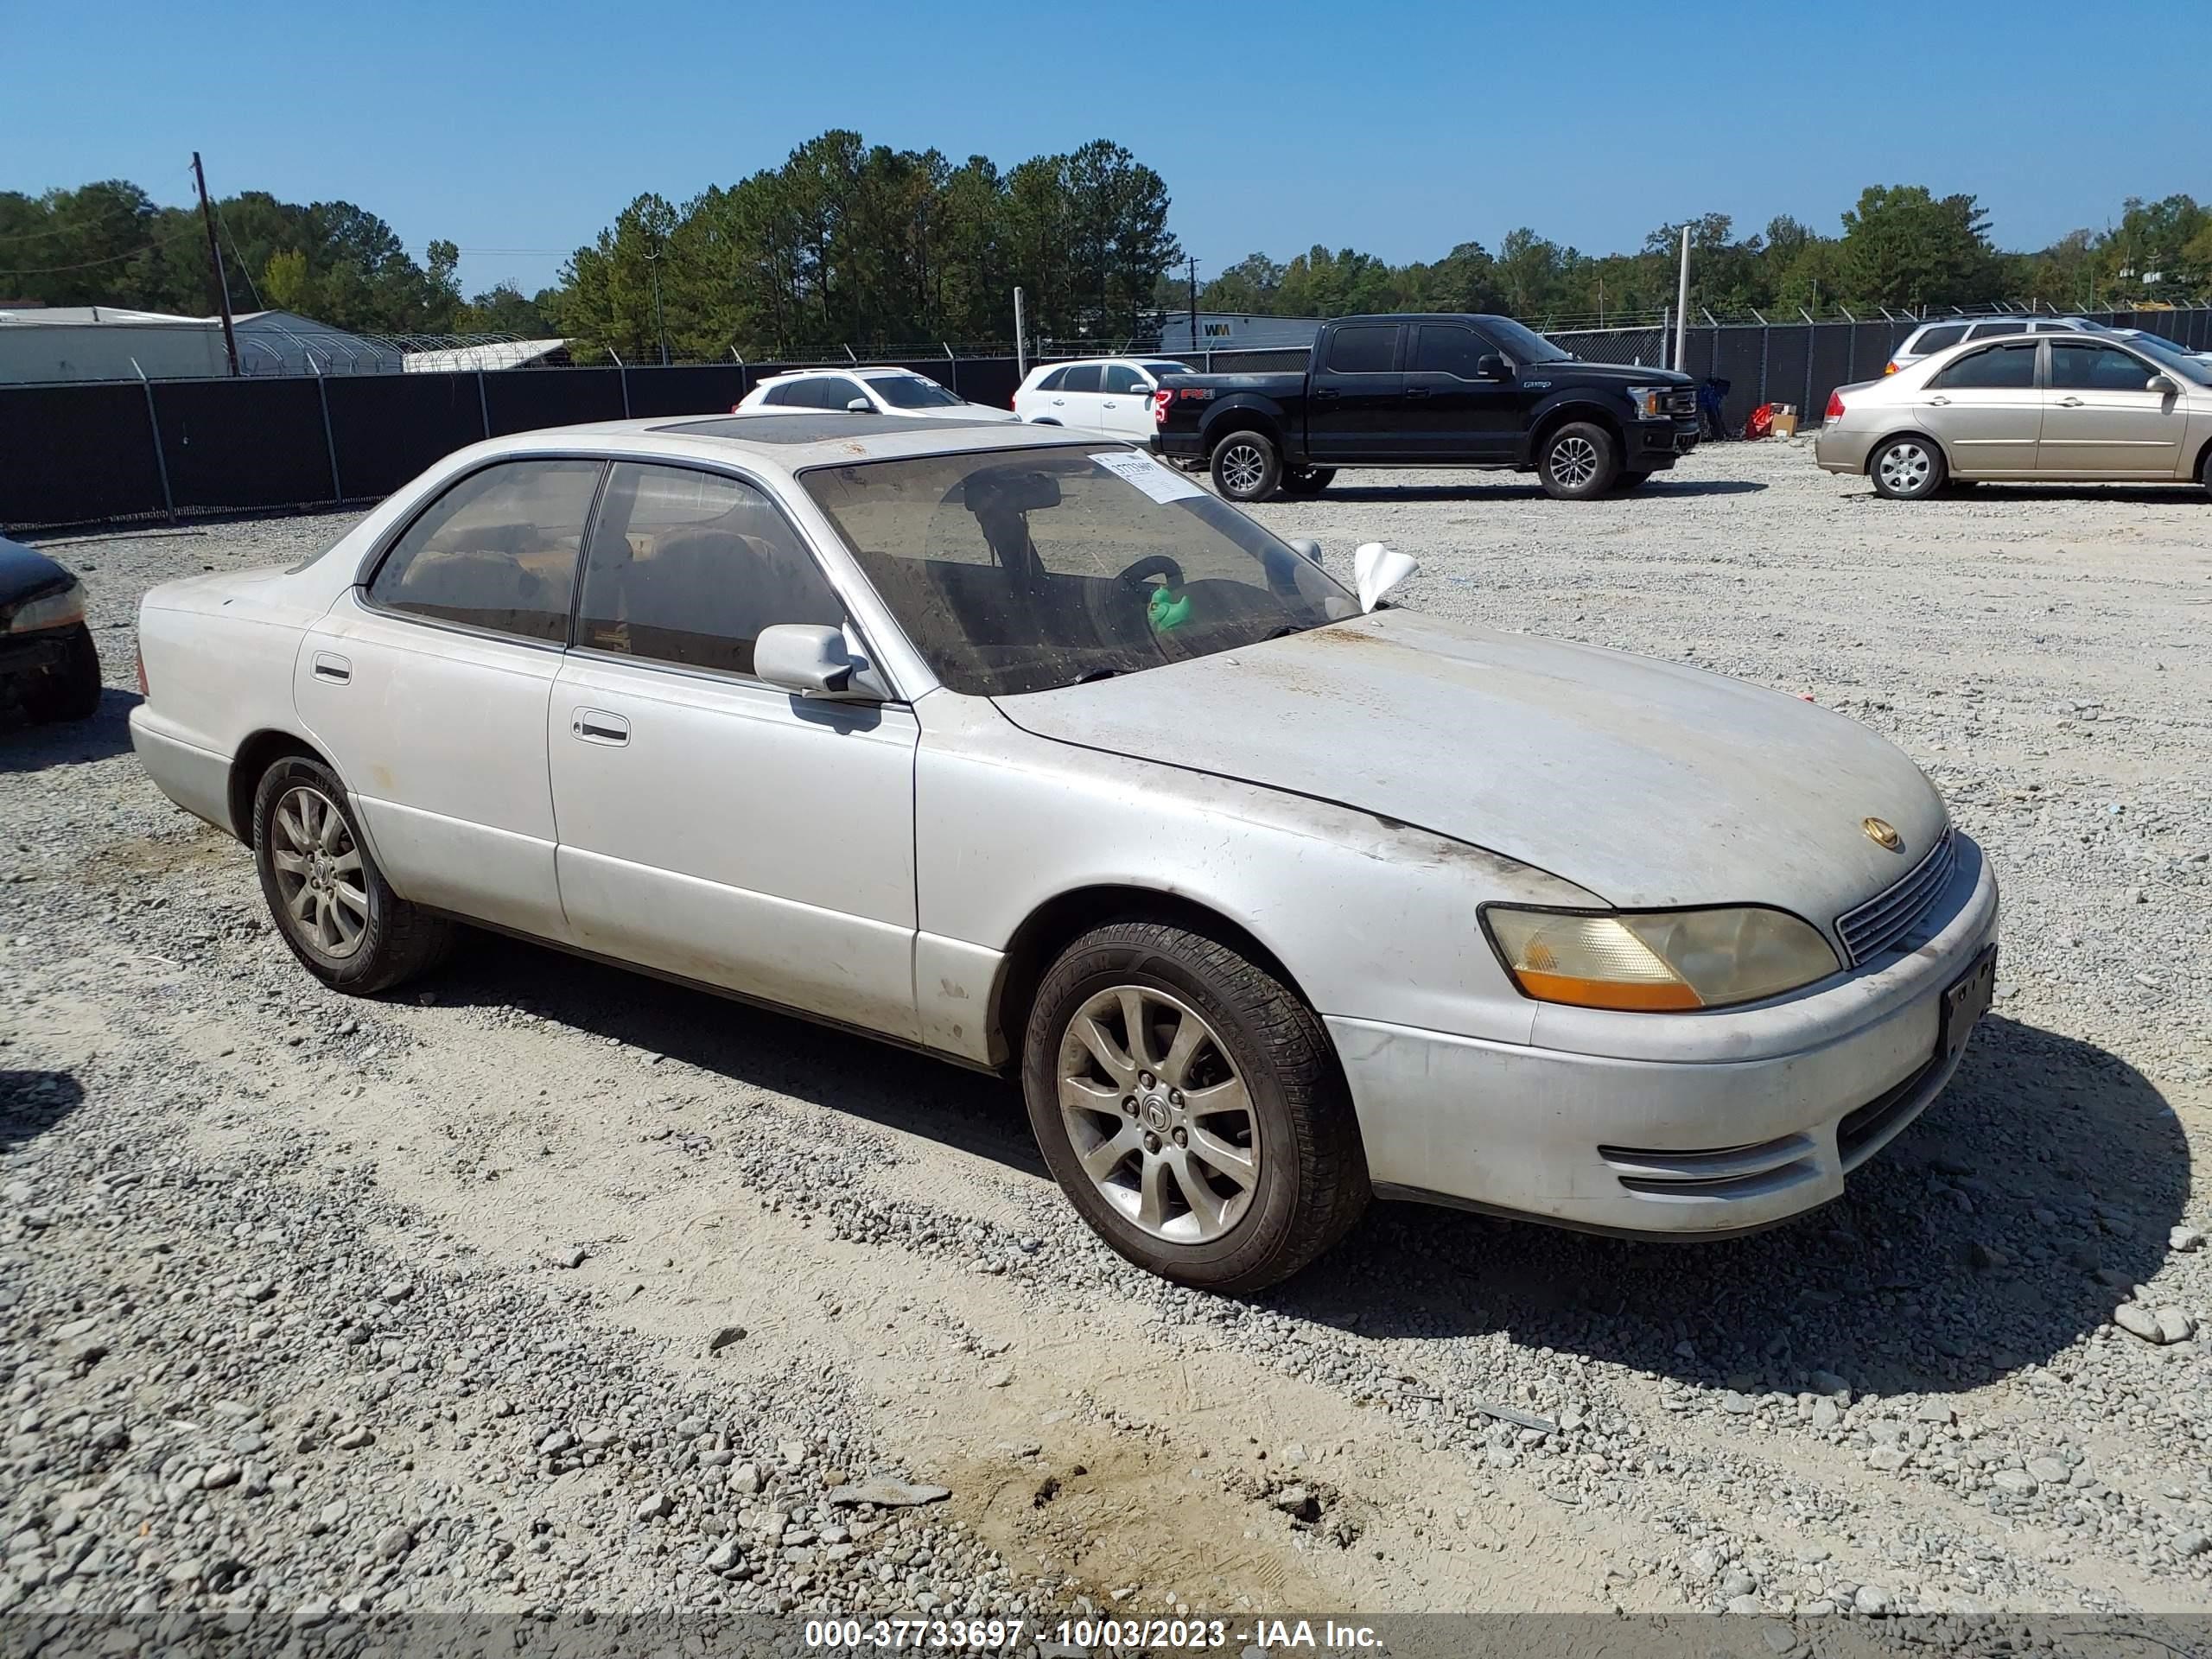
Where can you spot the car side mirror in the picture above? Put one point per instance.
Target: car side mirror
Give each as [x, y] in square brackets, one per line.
[1491, 366]
[1376, 569]
[807, 660]
[1306, 547]
[2163, 384]
[860, 406]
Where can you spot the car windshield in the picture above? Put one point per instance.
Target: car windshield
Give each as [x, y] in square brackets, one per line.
[912, 392]
[1523, 345]
[2174, 360]
[1016, 570]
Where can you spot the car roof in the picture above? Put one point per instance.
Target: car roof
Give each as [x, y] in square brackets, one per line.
[791, 443]
[840, 368]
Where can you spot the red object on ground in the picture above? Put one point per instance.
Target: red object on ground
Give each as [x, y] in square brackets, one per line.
[1762, 422]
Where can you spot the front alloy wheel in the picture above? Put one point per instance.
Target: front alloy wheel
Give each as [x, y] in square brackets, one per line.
[1158, 1115]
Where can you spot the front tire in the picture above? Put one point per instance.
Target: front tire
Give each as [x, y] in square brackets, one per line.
[1188, 1105]
[1246, 467]
[1579, 459]
[1907, 469]
[1306, 481]
[330, 903]
[71, 691]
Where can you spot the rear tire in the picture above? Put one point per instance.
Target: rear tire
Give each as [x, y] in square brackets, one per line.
[1581, 460]
[71, 691]
[1246, 467]
[331, 904]
[2204, 472]
[1307, 481]
[1216, 1148]
[1907, 469]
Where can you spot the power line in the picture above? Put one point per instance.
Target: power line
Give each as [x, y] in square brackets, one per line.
[244, 270]
[89, 264]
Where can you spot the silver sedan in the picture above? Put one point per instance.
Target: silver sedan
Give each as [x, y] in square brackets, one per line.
[1023, 750]
[2083, 408]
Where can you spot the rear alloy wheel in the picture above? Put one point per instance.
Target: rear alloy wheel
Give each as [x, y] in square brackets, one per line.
[1246, 467]
[1307, 481]
[328, 899]
[1579, 459]
[1907, 469]
[1188, 1105]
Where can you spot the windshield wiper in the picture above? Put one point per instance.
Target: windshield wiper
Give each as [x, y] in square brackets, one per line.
[1089, 674]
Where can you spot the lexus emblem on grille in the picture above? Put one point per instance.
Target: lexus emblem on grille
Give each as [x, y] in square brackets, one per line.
[1881, 835]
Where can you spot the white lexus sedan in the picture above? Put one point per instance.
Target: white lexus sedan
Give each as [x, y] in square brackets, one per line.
[1020, 750]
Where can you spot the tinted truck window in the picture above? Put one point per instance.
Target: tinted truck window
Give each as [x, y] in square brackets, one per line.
[1368, 349]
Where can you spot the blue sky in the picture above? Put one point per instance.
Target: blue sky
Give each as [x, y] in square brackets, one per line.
[519, 129]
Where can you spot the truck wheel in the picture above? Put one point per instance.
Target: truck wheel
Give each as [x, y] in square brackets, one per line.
[1307, 481]
[72, 691]
[1907, 469]
[1579, 459]
[1246, 467]
[1188, 1105]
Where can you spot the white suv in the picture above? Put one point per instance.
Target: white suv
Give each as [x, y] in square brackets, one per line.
[1933, 337]
[1110, 396]
[867, 391]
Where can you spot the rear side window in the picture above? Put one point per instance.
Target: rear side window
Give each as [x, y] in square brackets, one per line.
[1053, 381]
[1935, 340]
[2081, 368]
[2001, 368]
[1992, 330]
[1447, 348]
[1122, 379]
[688, 568]
[1083, 377]
[1364, 349]
[498, 551]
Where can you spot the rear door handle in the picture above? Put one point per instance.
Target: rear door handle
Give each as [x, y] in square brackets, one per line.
[329, 665]
[1325, 391]
[1939, 400]
[1416, 391]
[2069, 402]
[597, 726]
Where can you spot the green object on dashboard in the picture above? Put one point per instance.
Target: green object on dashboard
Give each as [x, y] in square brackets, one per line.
[1167, 610]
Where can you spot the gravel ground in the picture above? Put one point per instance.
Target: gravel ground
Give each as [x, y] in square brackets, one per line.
[550, 1287]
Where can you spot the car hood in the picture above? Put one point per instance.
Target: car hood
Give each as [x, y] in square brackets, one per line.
[25, 571]
[1617, 374]
[1646, 783]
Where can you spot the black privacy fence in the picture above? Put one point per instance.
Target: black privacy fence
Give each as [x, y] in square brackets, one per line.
[93, 452]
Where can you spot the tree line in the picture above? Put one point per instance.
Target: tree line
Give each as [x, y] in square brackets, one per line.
[852, 244]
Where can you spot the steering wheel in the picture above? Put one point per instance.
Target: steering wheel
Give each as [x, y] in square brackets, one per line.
[1153, 564]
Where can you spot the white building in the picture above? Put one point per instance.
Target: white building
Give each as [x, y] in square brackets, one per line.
[105, 342]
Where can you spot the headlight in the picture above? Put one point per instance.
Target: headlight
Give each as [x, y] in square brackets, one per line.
[1658, 961]
[48, 611]
[1650, 403]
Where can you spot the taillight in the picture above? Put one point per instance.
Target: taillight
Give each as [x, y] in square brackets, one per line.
[145, 691]
[1890, 367]
[1161, 399]
[1835, 407]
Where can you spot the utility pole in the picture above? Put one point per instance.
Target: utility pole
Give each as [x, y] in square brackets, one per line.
[1682, 310]
[660, 323]
[1020, 340]
[1194, 304]
[215, 253]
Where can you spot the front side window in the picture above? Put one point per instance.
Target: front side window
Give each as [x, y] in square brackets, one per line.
[1935, 340]
[498, 551]
[688, 568]
[2001, 368]
[1364, 349]
[1447, 348]
[1121, 380]
[2081, 368]
[1020, 570]
[912, 392]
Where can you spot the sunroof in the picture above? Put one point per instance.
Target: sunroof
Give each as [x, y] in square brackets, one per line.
[814, 426]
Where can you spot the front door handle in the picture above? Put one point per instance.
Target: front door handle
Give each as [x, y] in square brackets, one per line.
[1416, 391]
[597, 726]
[1325, 391]
[2069, 402]
[1108, 403]
[330, 666]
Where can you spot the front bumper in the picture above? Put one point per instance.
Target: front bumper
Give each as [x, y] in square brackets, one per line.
[1654, 446]
[1840, 449]
[1749, 1117]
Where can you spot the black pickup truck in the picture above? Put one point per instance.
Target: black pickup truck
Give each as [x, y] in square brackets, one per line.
[1429, 390]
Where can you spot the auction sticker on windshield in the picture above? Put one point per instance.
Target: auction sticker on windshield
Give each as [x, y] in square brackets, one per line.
[1161, 483]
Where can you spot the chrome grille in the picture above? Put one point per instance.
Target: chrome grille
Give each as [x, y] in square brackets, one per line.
[1879, 923]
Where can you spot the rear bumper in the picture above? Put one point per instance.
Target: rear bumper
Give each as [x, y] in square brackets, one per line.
[197, 780]
[1841, 451]
[1684, 1146]
[1180, 446]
